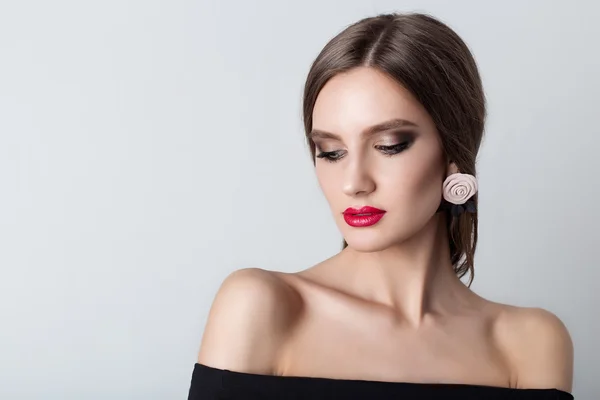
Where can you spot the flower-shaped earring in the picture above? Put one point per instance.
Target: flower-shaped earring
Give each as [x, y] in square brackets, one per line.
[458, 189]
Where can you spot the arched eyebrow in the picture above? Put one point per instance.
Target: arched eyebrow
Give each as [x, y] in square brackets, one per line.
[395, 123]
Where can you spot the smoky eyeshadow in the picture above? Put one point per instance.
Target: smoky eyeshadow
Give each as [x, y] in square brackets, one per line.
[391, 139]
[381, 139]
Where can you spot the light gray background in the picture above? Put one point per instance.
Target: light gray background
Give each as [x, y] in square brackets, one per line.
[150, 148]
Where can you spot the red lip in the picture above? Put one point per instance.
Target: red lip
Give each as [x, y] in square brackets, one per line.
[373, 215]
[363, 210]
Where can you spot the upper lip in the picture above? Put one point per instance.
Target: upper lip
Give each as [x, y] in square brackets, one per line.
[363, 210]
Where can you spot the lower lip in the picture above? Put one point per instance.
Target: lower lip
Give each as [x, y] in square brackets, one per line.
[362, 220]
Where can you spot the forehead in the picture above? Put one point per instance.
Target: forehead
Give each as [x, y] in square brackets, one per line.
[362, 97]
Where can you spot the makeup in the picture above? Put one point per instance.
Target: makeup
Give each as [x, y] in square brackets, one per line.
[364, 216]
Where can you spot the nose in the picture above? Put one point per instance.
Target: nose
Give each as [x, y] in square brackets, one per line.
[357, 179]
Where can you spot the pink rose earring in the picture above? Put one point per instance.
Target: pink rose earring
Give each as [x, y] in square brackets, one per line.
[458, 191]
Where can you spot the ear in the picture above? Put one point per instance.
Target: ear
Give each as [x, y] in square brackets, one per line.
[451, 169]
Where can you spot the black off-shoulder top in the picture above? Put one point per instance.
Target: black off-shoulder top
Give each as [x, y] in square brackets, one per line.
[209, 383]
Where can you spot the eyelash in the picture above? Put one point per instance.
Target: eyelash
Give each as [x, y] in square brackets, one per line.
[388, 151]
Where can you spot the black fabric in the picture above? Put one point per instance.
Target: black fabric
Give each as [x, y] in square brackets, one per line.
[210, 383]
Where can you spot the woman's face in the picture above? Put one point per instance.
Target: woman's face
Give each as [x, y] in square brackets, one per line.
[397, 167]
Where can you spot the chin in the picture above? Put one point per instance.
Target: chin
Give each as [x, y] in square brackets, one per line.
[368, 243]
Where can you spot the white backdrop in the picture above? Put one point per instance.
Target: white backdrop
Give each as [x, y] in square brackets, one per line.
[150, 148]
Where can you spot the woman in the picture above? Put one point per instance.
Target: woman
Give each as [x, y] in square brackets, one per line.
[394, 115]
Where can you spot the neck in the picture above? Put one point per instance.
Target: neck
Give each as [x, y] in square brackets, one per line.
[415, 277]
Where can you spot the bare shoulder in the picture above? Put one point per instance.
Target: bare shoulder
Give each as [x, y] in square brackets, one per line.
[249, 318]
[538, 345]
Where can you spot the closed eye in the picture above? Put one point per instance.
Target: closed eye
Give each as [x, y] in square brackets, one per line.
[329, 156]
[394, 149]
[333, 156]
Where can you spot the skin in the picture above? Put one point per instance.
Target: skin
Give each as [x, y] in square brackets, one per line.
[388, 307]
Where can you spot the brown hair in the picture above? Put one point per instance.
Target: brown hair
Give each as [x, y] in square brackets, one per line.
[431, 61]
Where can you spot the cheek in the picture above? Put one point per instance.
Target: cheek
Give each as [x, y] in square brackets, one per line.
[328, 181]
[417, 186]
